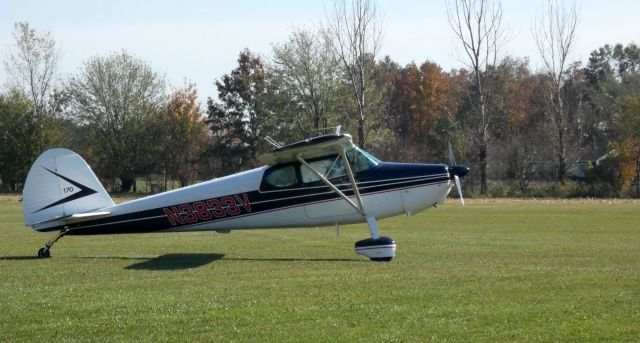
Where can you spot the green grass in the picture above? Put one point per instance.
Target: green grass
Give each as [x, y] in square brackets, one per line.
[506, 271]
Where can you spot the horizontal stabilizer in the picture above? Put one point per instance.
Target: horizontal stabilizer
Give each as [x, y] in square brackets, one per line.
[81, 217]
[74, 218]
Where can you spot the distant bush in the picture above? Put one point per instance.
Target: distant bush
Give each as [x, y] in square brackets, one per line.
[548, 189]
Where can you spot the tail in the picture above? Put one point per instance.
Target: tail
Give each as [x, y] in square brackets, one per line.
[61, 188]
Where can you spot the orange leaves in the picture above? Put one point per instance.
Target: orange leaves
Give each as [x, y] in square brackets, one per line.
[185, 132]
[183, 104]
[421, 96]
[628, 156]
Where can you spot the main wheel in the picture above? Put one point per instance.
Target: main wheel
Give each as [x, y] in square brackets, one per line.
[381, 249]
[44, 253]
[381, 259]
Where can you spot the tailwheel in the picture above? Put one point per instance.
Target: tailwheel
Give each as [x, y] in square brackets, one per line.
[44, 253]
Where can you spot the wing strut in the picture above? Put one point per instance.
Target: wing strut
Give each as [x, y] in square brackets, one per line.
[358, 206]
[371, 220]
[352, 180]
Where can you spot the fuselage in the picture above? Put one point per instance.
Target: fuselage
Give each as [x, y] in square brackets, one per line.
[252, 199]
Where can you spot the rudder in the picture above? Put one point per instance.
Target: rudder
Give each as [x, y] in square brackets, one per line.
[60, 184]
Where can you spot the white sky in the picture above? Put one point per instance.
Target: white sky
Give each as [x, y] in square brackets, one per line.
[200, 40]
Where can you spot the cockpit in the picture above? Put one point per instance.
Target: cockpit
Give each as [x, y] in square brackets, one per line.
[294, 174]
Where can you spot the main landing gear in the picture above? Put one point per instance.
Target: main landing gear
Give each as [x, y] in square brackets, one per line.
[45, 252]
[376, 248]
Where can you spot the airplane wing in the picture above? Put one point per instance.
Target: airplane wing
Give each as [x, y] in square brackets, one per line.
[308, 149]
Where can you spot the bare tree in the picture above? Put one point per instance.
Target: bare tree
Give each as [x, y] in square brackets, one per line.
[32, 65]
[554, 31]
[307, 71]
[477, 24]
[355, 35]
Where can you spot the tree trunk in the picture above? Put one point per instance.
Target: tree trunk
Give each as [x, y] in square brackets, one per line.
[562, 150]
[316, 119]
[361, 132]
[483, 167]
[164, 172]
[126, 183]
[638, 176]
[484, 139]
[562, 163]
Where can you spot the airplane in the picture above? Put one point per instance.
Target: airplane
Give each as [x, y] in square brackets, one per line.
[319, 181]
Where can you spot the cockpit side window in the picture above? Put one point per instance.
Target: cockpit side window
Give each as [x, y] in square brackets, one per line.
[330, 167]
[281, 177]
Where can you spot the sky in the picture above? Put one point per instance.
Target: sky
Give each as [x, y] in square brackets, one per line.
[200, 41]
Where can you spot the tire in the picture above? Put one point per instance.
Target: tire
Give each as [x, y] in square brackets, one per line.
[381, 259]
[44, 253]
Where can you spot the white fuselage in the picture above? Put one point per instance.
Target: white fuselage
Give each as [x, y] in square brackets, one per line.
[242, 205]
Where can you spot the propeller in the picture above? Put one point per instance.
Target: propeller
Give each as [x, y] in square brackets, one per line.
[457, 171]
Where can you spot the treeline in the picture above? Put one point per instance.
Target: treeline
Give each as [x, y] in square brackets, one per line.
[521, 132]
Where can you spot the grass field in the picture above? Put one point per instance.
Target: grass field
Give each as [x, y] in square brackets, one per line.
[492, 271]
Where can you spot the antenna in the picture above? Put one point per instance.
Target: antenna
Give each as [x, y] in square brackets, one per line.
[273, 142]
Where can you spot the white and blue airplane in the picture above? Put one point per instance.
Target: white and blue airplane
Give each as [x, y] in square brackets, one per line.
[324, 180]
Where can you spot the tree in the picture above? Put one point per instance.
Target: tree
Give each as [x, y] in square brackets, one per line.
[31, 105]
[516, 116]
[355, 36]
[627, 142]
[118, 99]
[422, 104]
[184, 135]
[554, 32]
[477, 25]
[15, 157]
[241, 120]
[32, 66]
[628, 60]
[307, 75]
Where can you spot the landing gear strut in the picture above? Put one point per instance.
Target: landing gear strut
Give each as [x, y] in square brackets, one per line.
[45, 252]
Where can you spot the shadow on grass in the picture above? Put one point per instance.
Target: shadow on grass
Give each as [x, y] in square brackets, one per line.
[18, 258]
[186, 261]
[294, 259]
[175, 262]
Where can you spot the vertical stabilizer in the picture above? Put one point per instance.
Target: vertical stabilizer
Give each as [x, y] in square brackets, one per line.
[61, 184]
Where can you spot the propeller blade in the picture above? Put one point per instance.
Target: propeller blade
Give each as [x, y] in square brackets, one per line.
[459, 188]
[457, 171]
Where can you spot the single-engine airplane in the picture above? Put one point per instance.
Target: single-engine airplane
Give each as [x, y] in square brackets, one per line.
[325, 180]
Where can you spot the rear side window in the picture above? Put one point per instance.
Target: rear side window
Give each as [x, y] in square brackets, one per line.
[281, 177]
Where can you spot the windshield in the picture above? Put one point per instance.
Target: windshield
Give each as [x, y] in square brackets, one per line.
[361, 160]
